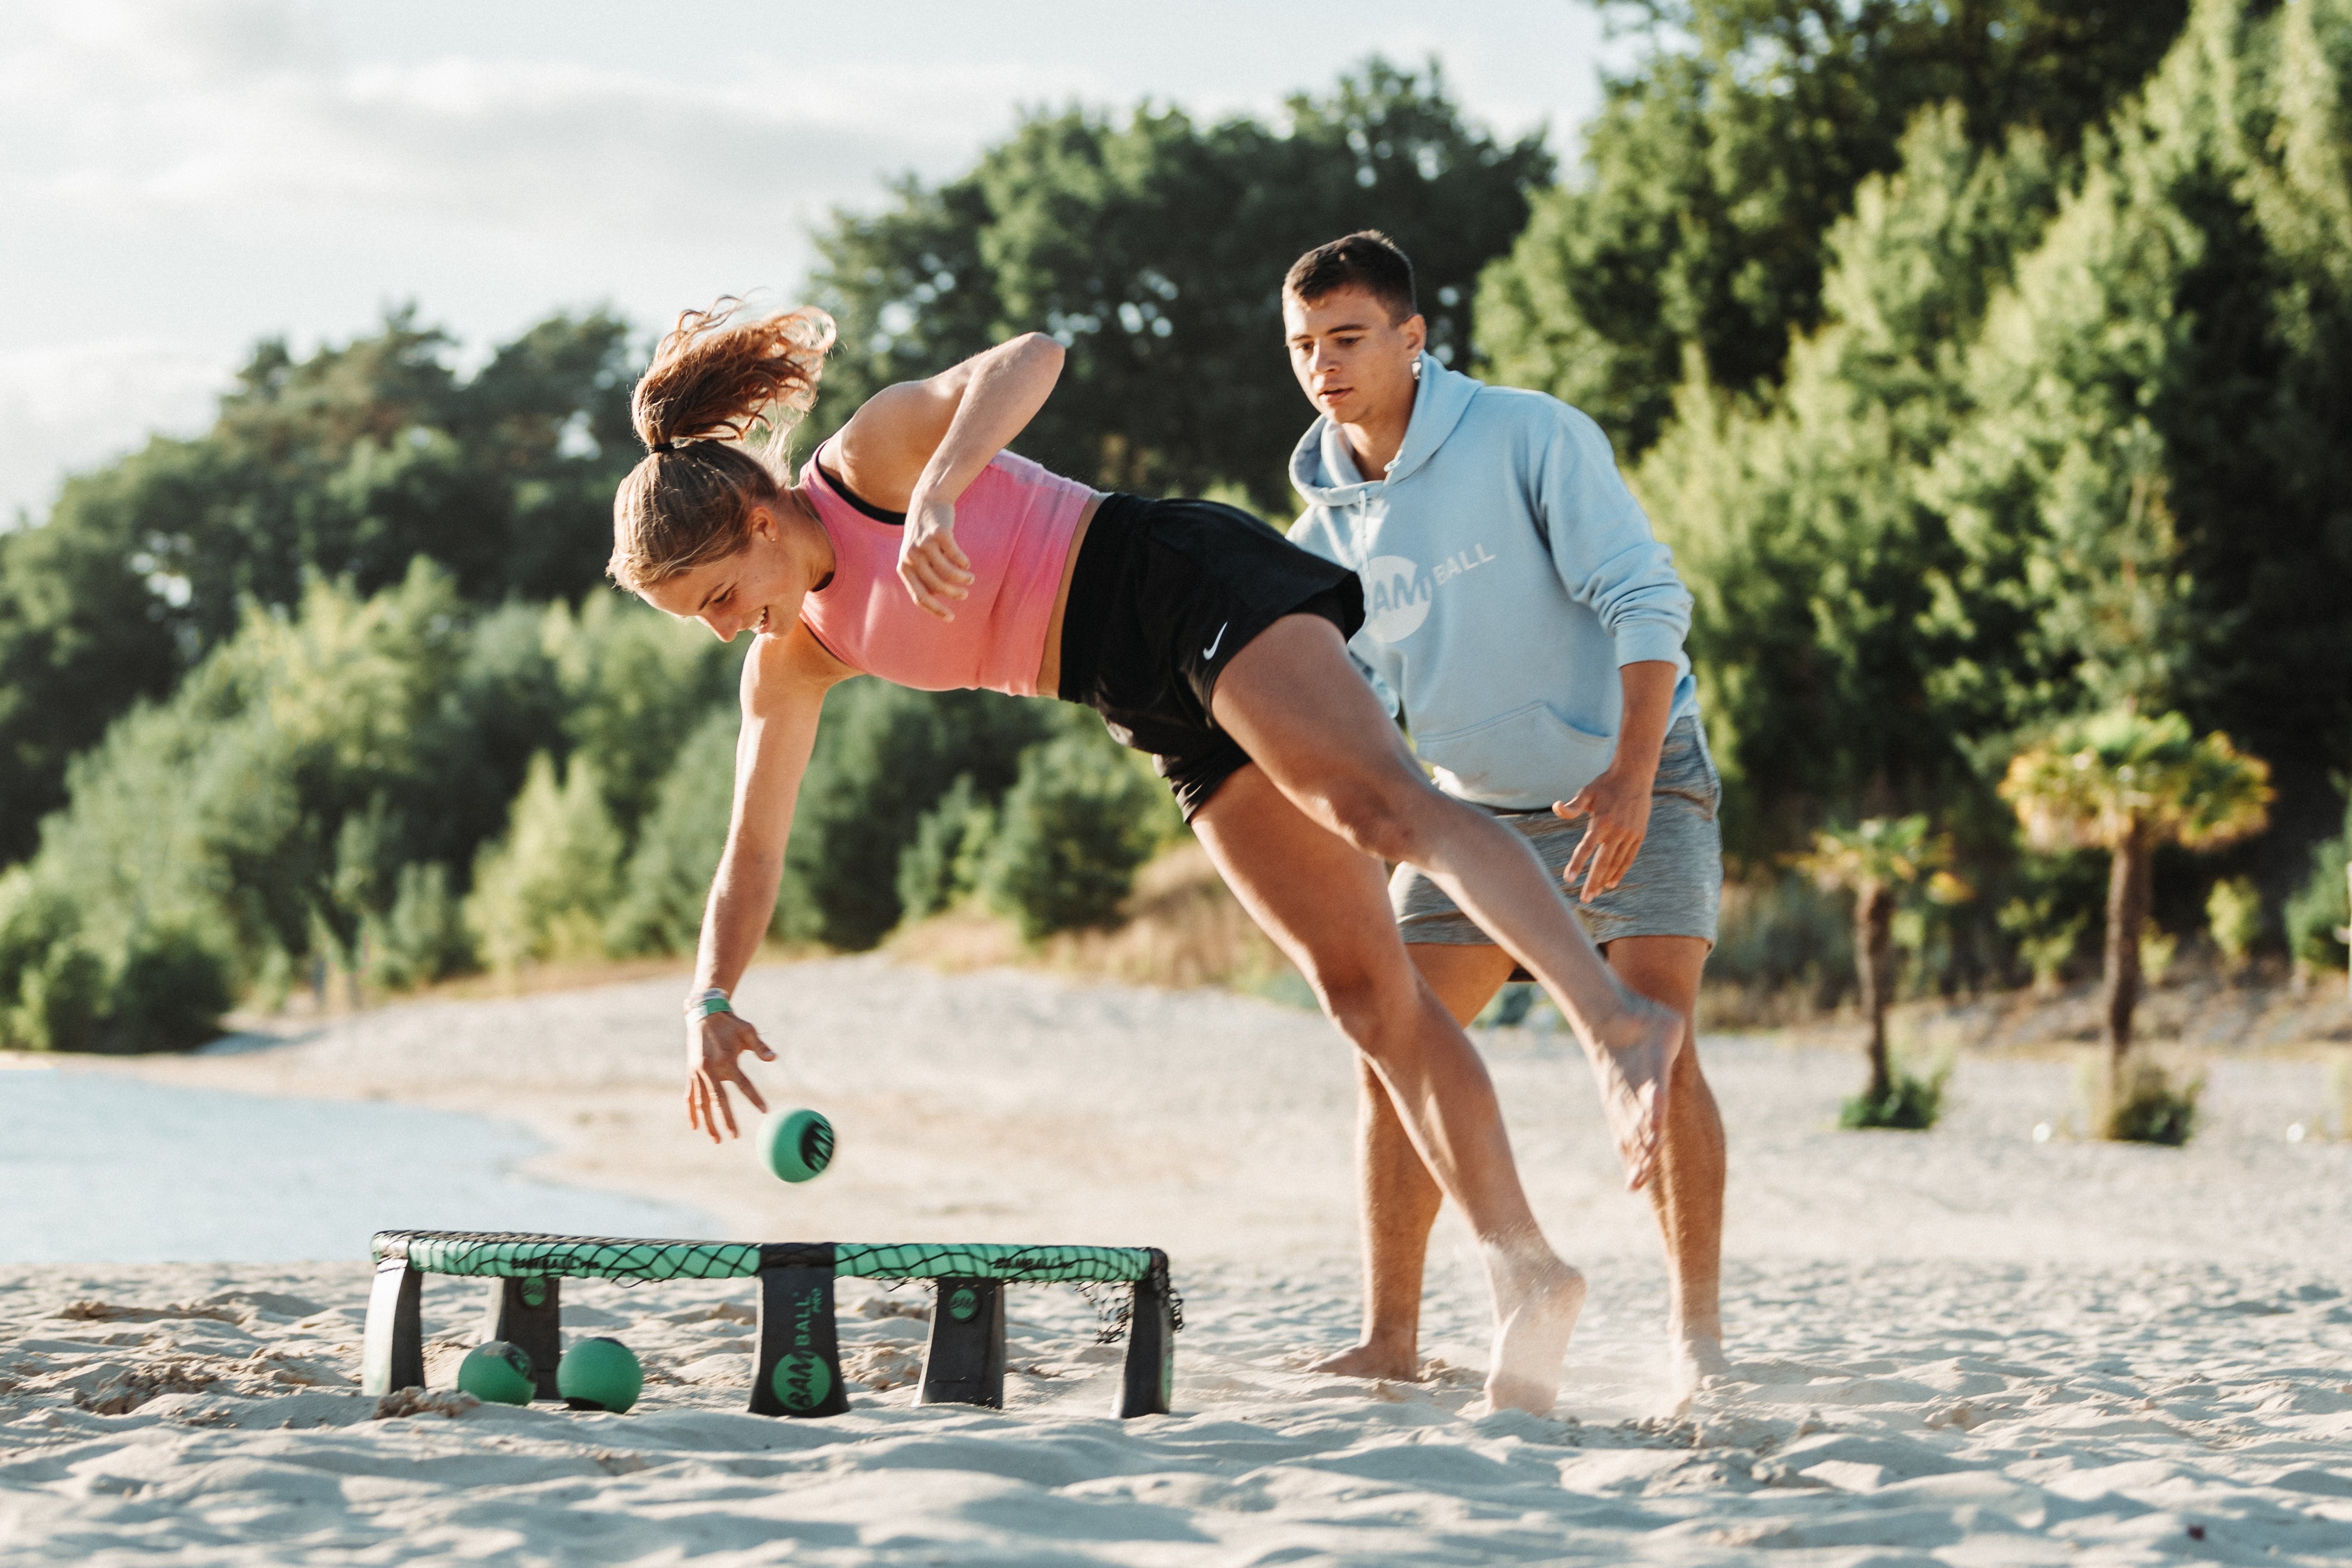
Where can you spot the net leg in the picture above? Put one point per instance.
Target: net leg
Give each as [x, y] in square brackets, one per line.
[796, 1371]
[1150, 1370]
[391, 1354]
[528, 1314]
[965, 1364]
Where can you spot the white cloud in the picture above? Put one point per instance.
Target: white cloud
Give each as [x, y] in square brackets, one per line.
[64, 410]
[131, 108]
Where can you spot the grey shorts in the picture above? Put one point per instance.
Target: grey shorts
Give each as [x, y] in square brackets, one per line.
[1673, 888]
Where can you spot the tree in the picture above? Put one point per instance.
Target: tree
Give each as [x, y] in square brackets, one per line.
[1715, 168]
[1154, 246]
[2128, 785]
[1879, 860]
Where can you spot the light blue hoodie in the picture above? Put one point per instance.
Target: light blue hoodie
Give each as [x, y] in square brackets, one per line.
[1508, 573]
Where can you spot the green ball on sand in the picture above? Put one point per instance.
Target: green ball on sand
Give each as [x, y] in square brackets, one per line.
[496, 1374]
[798, 1144]
[600, 1375]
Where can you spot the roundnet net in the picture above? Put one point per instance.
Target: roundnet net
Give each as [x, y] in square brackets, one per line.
[520, 1255]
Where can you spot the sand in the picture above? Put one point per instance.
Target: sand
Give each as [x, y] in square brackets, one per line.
[1963, 1347]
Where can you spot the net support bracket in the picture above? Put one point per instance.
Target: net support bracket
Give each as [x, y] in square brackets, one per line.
[965, 1364]
[392, 1353]
[1149, 1373]
[796, 1368]
[527, 1313]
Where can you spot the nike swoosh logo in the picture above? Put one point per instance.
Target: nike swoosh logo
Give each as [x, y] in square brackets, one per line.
[1210, 651]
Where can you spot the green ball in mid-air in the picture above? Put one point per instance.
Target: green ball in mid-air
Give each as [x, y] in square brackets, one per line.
[799, 1144]
[497, 1373]
[600, 1375]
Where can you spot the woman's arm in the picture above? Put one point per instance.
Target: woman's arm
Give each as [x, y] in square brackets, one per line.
[785, 683]
[914, 447]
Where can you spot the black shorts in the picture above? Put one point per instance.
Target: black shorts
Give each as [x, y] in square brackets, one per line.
[1164, 593]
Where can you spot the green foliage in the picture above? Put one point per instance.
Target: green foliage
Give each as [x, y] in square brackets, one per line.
[2121, 776]
[345, 465]
[2233, 918]
[678, 844]
[1071, 833]
[1912, 1103]
[1154, 247]
[2322, 908]
[423, 937]
[545, 891]
[884, 757]
[1715, 168]
[942, 863]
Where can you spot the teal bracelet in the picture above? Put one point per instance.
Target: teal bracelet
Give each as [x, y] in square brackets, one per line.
[709, 1002]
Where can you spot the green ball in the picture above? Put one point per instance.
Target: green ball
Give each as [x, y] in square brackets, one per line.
[799, 1144]
[497, 1373]
[600, 1375]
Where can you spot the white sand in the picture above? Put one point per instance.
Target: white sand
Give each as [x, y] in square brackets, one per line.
[1964, 1347]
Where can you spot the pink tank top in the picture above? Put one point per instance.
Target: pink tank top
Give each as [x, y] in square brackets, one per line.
[1014, 521]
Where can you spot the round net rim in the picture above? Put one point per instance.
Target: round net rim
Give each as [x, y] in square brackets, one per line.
[522, 1255]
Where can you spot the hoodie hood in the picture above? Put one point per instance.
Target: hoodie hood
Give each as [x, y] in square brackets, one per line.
[1324, 471]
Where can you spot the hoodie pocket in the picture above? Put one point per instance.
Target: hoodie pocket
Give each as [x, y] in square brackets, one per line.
[1522, 761]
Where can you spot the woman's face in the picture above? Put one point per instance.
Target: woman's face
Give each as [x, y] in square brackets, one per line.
[760, 587]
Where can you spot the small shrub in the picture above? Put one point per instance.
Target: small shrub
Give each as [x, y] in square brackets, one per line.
[2157, 951]
[543, 891]
[2233, 914]
[1079, 820]
[2322, 908]
[945, 860]
[2148, 1107]
[424, 936]
[1912, 1103]
[678, 845]
[170, 994]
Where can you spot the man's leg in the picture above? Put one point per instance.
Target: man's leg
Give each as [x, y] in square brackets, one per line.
[1297, 707]
[1399, 1200]
[1688, 1192]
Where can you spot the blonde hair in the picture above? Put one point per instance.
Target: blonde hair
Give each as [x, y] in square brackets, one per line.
[715, 410]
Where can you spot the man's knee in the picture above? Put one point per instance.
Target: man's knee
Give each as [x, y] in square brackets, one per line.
[1374, 1005]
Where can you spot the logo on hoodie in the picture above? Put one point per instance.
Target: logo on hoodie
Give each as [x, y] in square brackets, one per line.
[1397, 591]
[1396, 597]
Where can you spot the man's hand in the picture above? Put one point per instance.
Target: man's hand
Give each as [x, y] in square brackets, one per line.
[714, 1058]
[1617, 804]
[930, 563]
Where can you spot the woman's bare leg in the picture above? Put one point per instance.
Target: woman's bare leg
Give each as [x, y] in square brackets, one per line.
[1399, 1198]
[1296, 705]
[1325, 904]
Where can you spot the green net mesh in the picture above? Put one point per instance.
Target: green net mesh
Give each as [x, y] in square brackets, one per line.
[516, 1254]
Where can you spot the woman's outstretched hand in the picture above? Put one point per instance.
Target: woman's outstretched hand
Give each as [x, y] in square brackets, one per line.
[714, 1058]
[930, 563]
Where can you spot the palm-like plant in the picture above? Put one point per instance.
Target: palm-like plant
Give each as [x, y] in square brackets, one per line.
[1877, 860]
[2128, 784]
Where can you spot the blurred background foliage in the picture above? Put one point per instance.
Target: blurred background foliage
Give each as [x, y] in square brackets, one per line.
[1985, 362]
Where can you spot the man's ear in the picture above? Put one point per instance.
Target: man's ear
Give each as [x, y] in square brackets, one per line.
[1415, 327]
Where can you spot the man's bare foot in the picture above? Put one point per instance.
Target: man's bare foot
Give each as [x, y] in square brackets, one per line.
[1634, 1059]
[1536, 1310]
[1383, 1361]
[1691, 1362]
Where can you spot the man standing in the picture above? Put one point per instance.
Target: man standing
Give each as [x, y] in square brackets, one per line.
[1528, 628]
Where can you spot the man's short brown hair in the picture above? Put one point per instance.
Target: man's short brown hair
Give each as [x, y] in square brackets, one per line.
[1367, 260]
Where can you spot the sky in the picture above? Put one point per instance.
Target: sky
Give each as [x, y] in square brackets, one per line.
[180, 179]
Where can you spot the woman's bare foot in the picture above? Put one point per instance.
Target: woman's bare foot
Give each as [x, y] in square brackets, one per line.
[1536, 1309]
[1390, 1364]
[1634, 1058]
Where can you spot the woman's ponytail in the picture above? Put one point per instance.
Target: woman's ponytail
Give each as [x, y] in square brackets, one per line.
[715, 411]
